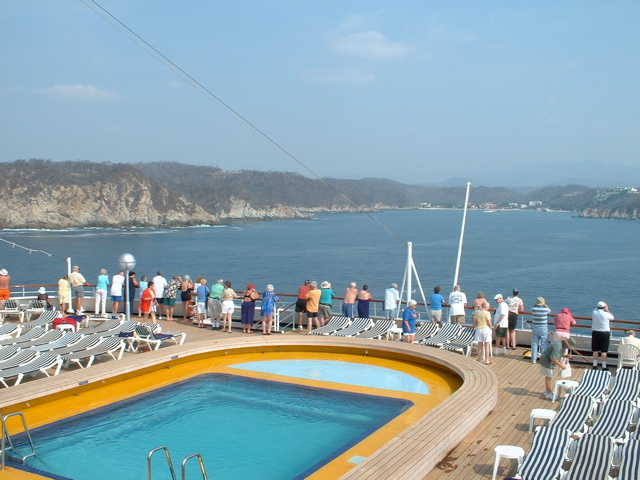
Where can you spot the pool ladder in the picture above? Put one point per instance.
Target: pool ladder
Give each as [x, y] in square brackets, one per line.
[170, 463]
[6, 438]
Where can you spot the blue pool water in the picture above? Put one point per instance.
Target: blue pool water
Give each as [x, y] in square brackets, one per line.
[243, 427]
[340, 372]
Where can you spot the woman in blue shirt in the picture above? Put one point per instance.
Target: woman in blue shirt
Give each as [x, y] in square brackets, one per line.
[101, 293]
[409, 321]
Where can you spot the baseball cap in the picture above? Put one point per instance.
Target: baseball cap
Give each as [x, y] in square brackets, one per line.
[601, 304]
[497, 296]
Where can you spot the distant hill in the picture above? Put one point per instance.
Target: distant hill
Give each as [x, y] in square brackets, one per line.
[45, 194]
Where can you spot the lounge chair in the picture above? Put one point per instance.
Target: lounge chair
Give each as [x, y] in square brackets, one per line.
[446, 334]
[463, 342]
[335, 324]
[7, 352]
[25, 337]
[593, 384]
[358, 325]
[22, 357]
[614, 419]
[104, 327]
[144, 334]
[85, 343]
[628, 356]
[66, 340]
[425, 330]
[103, 318]
[379, 330]
[124, 329]
[574, 413]
[11, 307]
[35, 306]
[629, 457]
[41, 364]
[626, 386]
[46, 339]
[112, 346]
[45, 320]
[592, 457]
[9, 330]
[547, 454]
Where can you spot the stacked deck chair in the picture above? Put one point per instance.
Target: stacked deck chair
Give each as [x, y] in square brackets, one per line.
[425, 330]
[358, 325]
[25, 337]
[626, 386]
[547, 454]
[45, 320]
[145, 334]
[575, 412]
[379, 330]
[41, 364]
[11, 307]
[629, 458]
[463, 342]
[332, 326]
[592, 458]
[594, 384]
[9, 330]
[446, 334]
[111, 346]
[614, 419]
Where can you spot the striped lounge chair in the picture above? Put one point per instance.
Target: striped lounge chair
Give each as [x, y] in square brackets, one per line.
[594, 384]
[574, 413]
[547, 454]
[358, 325]
[626, 386]
[425, 330]
[335, 324]
[379, 330]
[111, 346]
[592, 458]
[614, 419]
[446, 334]
[41, 364]
[629, 455]
[463, 342]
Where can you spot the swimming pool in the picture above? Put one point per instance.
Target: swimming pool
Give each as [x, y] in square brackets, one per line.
[242, 427]
[81, 392]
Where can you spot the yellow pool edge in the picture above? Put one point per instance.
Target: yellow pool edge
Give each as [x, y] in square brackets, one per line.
[420, 429]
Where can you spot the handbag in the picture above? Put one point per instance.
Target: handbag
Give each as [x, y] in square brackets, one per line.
[566, 373]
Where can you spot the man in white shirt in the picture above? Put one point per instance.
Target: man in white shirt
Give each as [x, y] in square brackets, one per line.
[630, 339]
[457, 302]
[159, 284]
[600, 333]
[501, 324]
[391, 301]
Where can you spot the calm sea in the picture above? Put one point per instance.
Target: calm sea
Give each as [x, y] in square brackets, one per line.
[571, 262]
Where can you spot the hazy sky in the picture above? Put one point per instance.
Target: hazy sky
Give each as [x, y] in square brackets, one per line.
[415, 91]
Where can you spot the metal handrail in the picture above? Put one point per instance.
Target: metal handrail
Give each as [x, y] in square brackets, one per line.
[167, 456]
[6, 437]
[184, 464]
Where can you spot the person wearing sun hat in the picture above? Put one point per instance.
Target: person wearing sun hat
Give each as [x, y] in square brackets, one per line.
[539, 328]
[5, 293]
[324, 309]
[600, 333]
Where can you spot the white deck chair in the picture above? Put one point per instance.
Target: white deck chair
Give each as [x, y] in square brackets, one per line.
[628, 356]
[379, 330]
[9, 330]
[463, 342]
[25, 337]
[145, 335]
[112, 346]
[446, 334]
[45, 320]
[358, 325]
[11, 307]
[35, 306]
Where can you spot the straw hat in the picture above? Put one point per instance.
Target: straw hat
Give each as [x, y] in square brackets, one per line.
[540, 301]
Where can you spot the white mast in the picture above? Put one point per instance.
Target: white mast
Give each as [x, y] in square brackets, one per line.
[464, 221]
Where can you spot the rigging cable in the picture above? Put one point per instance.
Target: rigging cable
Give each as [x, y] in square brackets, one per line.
[159, 56]
[30, 250]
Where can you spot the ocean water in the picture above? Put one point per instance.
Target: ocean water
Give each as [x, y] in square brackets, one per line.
[572, 262]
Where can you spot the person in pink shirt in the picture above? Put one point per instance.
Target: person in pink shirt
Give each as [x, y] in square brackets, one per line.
[563, 322]
[349, 302]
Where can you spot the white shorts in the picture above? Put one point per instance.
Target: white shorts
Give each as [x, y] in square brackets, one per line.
[202, 307]
[483, 335]
[227, 306]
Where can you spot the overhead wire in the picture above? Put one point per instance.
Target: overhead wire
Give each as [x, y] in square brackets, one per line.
[30, 250]
[160, 57]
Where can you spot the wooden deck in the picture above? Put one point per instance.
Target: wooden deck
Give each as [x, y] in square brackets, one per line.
[520, 388]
